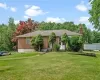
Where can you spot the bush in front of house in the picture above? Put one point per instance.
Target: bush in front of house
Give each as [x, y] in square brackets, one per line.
[68, 48]
[37, 42]
[34, 43]
[76, 43]
[56, 47]
[52, 38]
[64, 39]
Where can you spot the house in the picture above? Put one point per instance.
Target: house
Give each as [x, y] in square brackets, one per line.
[24, 43]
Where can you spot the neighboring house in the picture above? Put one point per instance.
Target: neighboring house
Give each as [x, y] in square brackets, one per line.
[24, 41]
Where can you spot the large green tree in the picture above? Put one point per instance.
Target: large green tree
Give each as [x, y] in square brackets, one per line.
[6, 32]
[95, 13]
[57, 26]
[95, 37]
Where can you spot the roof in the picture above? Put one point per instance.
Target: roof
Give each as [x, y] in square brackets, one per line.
[48, 32]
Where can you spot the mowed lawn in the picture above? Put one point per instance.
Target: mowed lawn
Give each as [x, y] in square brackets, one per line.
[51, 66]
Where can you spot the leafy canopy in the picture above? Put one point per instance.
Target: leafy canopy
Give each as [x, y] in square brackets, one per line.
[24, 27]
[95, 13]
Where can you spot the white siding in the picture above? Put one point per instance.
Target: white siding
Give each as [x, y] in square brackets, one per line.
[95, 46]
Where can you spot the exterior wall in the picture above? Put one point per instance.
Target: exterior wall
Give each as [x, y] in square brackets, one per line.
[45, 42]
[22, 44]
[24, 47]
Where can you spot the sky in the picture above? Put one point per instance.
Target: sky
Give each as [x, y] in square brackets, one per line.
[46, 10]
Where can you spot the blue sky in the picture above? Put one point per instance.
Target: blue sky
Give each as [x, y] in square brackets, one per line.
[45, 10]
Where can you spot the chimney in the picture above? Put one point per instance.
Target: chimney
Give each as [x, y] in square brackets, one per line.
[81, 29]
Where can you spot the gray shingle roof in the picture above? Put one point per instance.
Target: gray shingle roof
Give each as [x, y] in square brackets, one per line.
[48, 32]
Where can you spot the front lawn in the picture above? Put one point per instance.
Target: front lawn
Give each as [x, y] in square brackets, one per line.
[51, 66]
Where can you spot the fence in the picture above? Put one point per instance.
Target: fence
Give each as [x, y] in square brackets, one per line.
[94, 46]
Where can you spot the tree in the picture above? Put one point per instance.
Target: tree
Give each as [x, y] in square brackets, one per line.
[37, 42]
[95, 13]
[24, 27]
[6, 32]
[76, 43]
[11, 24]
[33, 43]
[95, 37]
[57, 26]
[64, 39]
[80, 41]
[89, 36]
[52, 38]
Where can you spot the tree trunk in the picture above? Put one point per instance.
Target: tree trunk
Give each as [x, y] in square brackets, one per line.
[52, 46]
[39, 48]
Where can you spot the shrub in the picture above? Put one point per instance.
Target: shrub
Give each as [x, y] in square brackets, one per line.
[76, 43]
[64, 39]
[56, 47]
[68, 47]
[52, 38]
[37, 42]
[34, 43]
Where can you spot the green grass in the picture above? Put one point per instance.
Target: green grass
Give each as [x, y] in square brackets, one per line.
[51, 66]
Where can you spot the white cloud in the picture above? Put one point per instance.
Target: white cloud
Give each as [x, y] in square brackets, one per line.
[27, 6]
[82, 6]
[16, 21]
[34, 11]
[13, 9]
[26, 17]
[56, 19]
[84, 20]
[3, 5]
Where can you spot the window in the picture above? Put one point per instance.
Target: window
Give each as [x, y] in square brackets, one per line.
[28, 41]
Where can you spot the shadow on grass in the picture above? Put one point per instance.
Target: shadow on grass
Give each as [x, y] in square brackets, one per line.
[3, 69]
[85, 54]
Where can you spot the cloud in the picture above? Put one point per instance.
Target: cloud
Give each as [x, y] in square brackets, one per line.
[84, 20]
[82, 7]
[56, 19]
[3, 5]
[26, 6]
[16, 21]
[26, 17]
[13, 9]
[34, 11]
